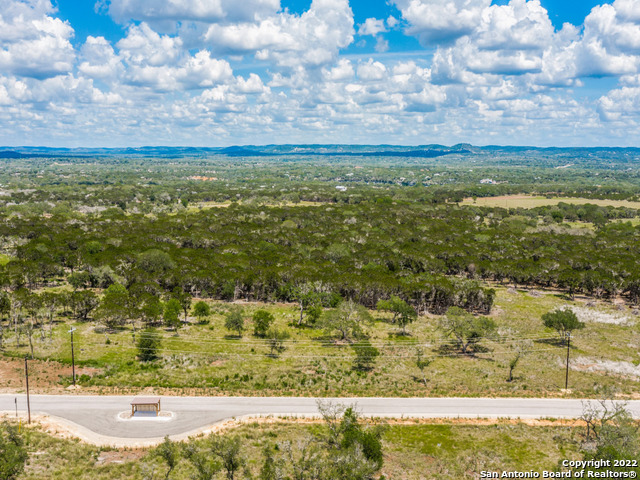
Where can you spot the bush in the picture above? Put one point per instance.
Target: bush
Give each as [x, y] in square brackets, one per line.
[148, 345]
[13, 454]
[262, 321]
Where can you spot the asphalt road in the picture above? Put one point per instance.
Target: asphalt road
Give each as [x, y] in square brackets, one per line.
[99, 414]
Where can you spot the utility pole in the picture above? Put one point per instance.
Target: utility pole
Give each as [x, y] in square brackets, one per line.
[73, 360]
[15, 400]
[566, 378]
[26, 376]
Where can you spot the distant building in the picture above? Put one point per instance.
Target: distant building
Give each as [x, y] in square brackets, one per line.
[488, 181]
[341, 188]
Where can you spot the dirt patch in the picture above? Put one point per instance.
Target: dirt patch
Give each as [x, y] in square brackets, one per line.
[119, 456]
[44, 375]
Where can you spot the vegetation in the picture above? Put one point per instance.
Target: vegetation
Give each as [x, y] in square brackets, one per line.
[466, 330]
[563, 321]
[449, 450]
[114, 245]
[148, 345]
[13, 454]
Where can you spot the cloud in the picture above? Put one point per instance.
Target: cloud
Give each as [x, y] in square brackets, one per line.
[313, 38]
[99, 59]
[438, 21]
[33, 43]
[371, 70]
[208, 11]
[382, 45]
[372, 26]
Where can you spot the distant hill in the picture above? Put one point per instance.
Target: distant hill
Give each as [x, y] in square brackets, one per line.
[418, 151]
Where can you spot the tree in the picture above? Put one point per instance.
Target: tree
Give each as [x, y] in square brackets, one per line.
[520, 349]
[310, 303]
[84, 302]
[466, 329]
[185, 300]
[227, 449]
[262, 321]
[171, 313]
[272, 469]
[5, 310]
[563, 321]
[402, 313]
[354, 452]
[148, 345]
[347, 320]
[13, 454]
[201, 310]
[205, 465]
[170, 453]
[234, 320]
[611, 433]
[146, 306]
[366, 355]
[422, 362]
[276, 339]
[114, 308]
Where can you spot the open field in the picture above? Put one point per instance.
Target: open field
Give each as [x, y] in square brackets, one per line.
[527, 201]
[412, 450]
[205, 359]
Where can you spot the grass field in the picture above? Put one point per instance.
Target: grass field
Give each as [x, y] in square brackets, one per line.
[205, 359]
[441, 450]
[527, 201]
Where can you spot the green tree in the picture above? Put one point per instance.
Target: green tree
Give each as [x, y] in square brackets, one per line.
[201, 310]
[5, 310]
[611, 434]
[347, 321]
[465, 329]
[114, 309]
[185, 300]
[156, 262]
[422, 362]
[262, 321]
[13, 454]
[366, 355]
[310, 304]
[205, 465]
[563, 321]
[228, 450]
[148, 345]
[519, 349]
[402, 313]
[84, 302]
[272, 468]
[234, 320]
[354, 452]
[276, 340]
[170, 452]
[171, 313]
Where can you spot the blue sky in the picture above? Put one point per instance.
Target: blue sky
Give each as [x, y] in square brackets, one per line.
[223, 72]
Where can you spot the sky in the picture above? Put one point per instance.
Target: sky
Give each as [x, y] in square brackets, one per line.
[113, 73]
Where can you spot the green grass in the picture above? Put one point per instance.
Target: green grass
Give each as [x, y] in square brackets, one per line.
[204, 359]
[4, 259]
[444, 451]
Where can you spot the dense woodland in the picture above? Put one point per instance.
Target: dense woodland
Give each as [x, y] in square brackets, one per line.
[277, 229]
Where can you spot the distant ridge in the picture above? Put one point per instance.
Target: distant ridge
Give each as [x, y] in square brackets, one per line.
[385, 150]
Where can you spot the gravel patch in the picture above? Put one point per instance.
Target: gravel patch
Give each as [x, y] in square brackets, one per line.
[586, 364]
[589, 315]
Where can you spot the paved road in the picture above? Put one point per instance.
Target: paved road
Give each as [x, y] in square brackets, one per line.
[99, 414]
